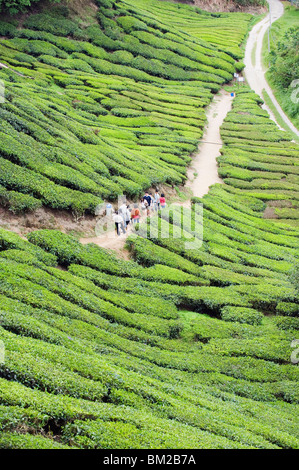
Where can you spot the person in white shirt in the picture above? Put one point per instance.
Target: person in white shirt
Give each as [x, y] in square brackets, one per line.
[123, 211]
[119, 223]
[128, 216]
[157, 200]
[152, 202]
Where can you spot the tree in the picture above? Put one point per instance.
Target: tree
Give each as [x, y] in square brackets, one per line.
[15, 6]
[285, 59]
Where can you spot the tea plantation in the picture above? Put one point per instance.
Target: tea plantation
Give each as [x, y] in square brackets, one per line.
[178, 348]
[115, 106]
[106, 355]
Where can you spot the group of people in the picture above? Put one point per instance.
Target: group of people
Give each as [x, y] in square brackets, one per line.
[126, 215]
[153, 203]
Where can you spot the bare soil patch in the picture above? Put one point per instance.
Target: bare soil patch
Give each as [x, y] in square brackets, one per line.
[222, 6]
[280, 204]
[46, 218]
[269, 213]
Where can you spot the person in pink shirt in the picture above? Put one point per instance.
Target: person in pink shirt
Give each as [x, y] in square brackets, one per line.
[162, 201]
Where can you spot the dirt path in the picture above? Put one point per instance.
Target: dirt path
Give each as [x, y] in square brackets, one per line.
[204, 170]
[3, 66]
[204, 164]
[255, 74]
[111, 241]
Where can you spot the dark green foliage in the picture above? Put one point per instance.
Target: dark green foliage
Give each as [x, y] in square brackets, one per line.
[17, 202]
[287, 323]
[7, 29]
[15, 6]
[10, 240]
[285, 61]
[242, 315]
[246, 3]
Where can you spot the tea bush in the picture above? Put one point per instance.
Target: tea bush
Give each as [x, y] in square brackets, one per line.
[180, 348]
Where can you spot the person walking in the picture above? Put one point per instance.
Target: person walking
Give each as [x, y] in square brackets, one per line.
[135, 214]
[122, 210]
[147, 201]
[152, 202]
[162, 201]
[147, 198]
[119, 223]
[157, 200]
[143, 205]
[128, 216]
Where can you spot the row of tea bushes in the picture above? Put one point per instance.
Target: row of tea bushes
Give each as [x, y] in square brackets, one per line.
[93, 364]
[239, 249]
[115, 108]
[267, 172]
[109, 358]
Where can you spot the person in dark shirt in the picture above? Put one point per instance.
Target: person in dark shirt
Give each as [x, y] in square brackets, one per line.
[147, 198]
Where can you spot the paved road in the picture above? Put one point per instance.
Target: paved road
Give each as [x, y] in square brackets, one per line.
[255, 74]
[204, 163]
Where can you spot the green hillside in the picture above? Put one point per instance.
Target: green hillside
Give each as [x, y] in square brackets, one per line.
[177, 348]
[116, 107]
[182, 349]
[224, 30]
[283, 61]
[99, 357]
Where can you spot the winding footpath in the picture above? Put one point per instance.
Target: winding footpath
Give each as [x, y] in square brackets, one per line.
[204, 165]
[4, 66]
[203, 171]
[254, 72]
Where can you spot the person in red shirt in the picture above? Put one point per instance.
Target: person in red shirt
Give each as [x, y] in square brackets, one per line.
[135, 214]
[162, 201]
